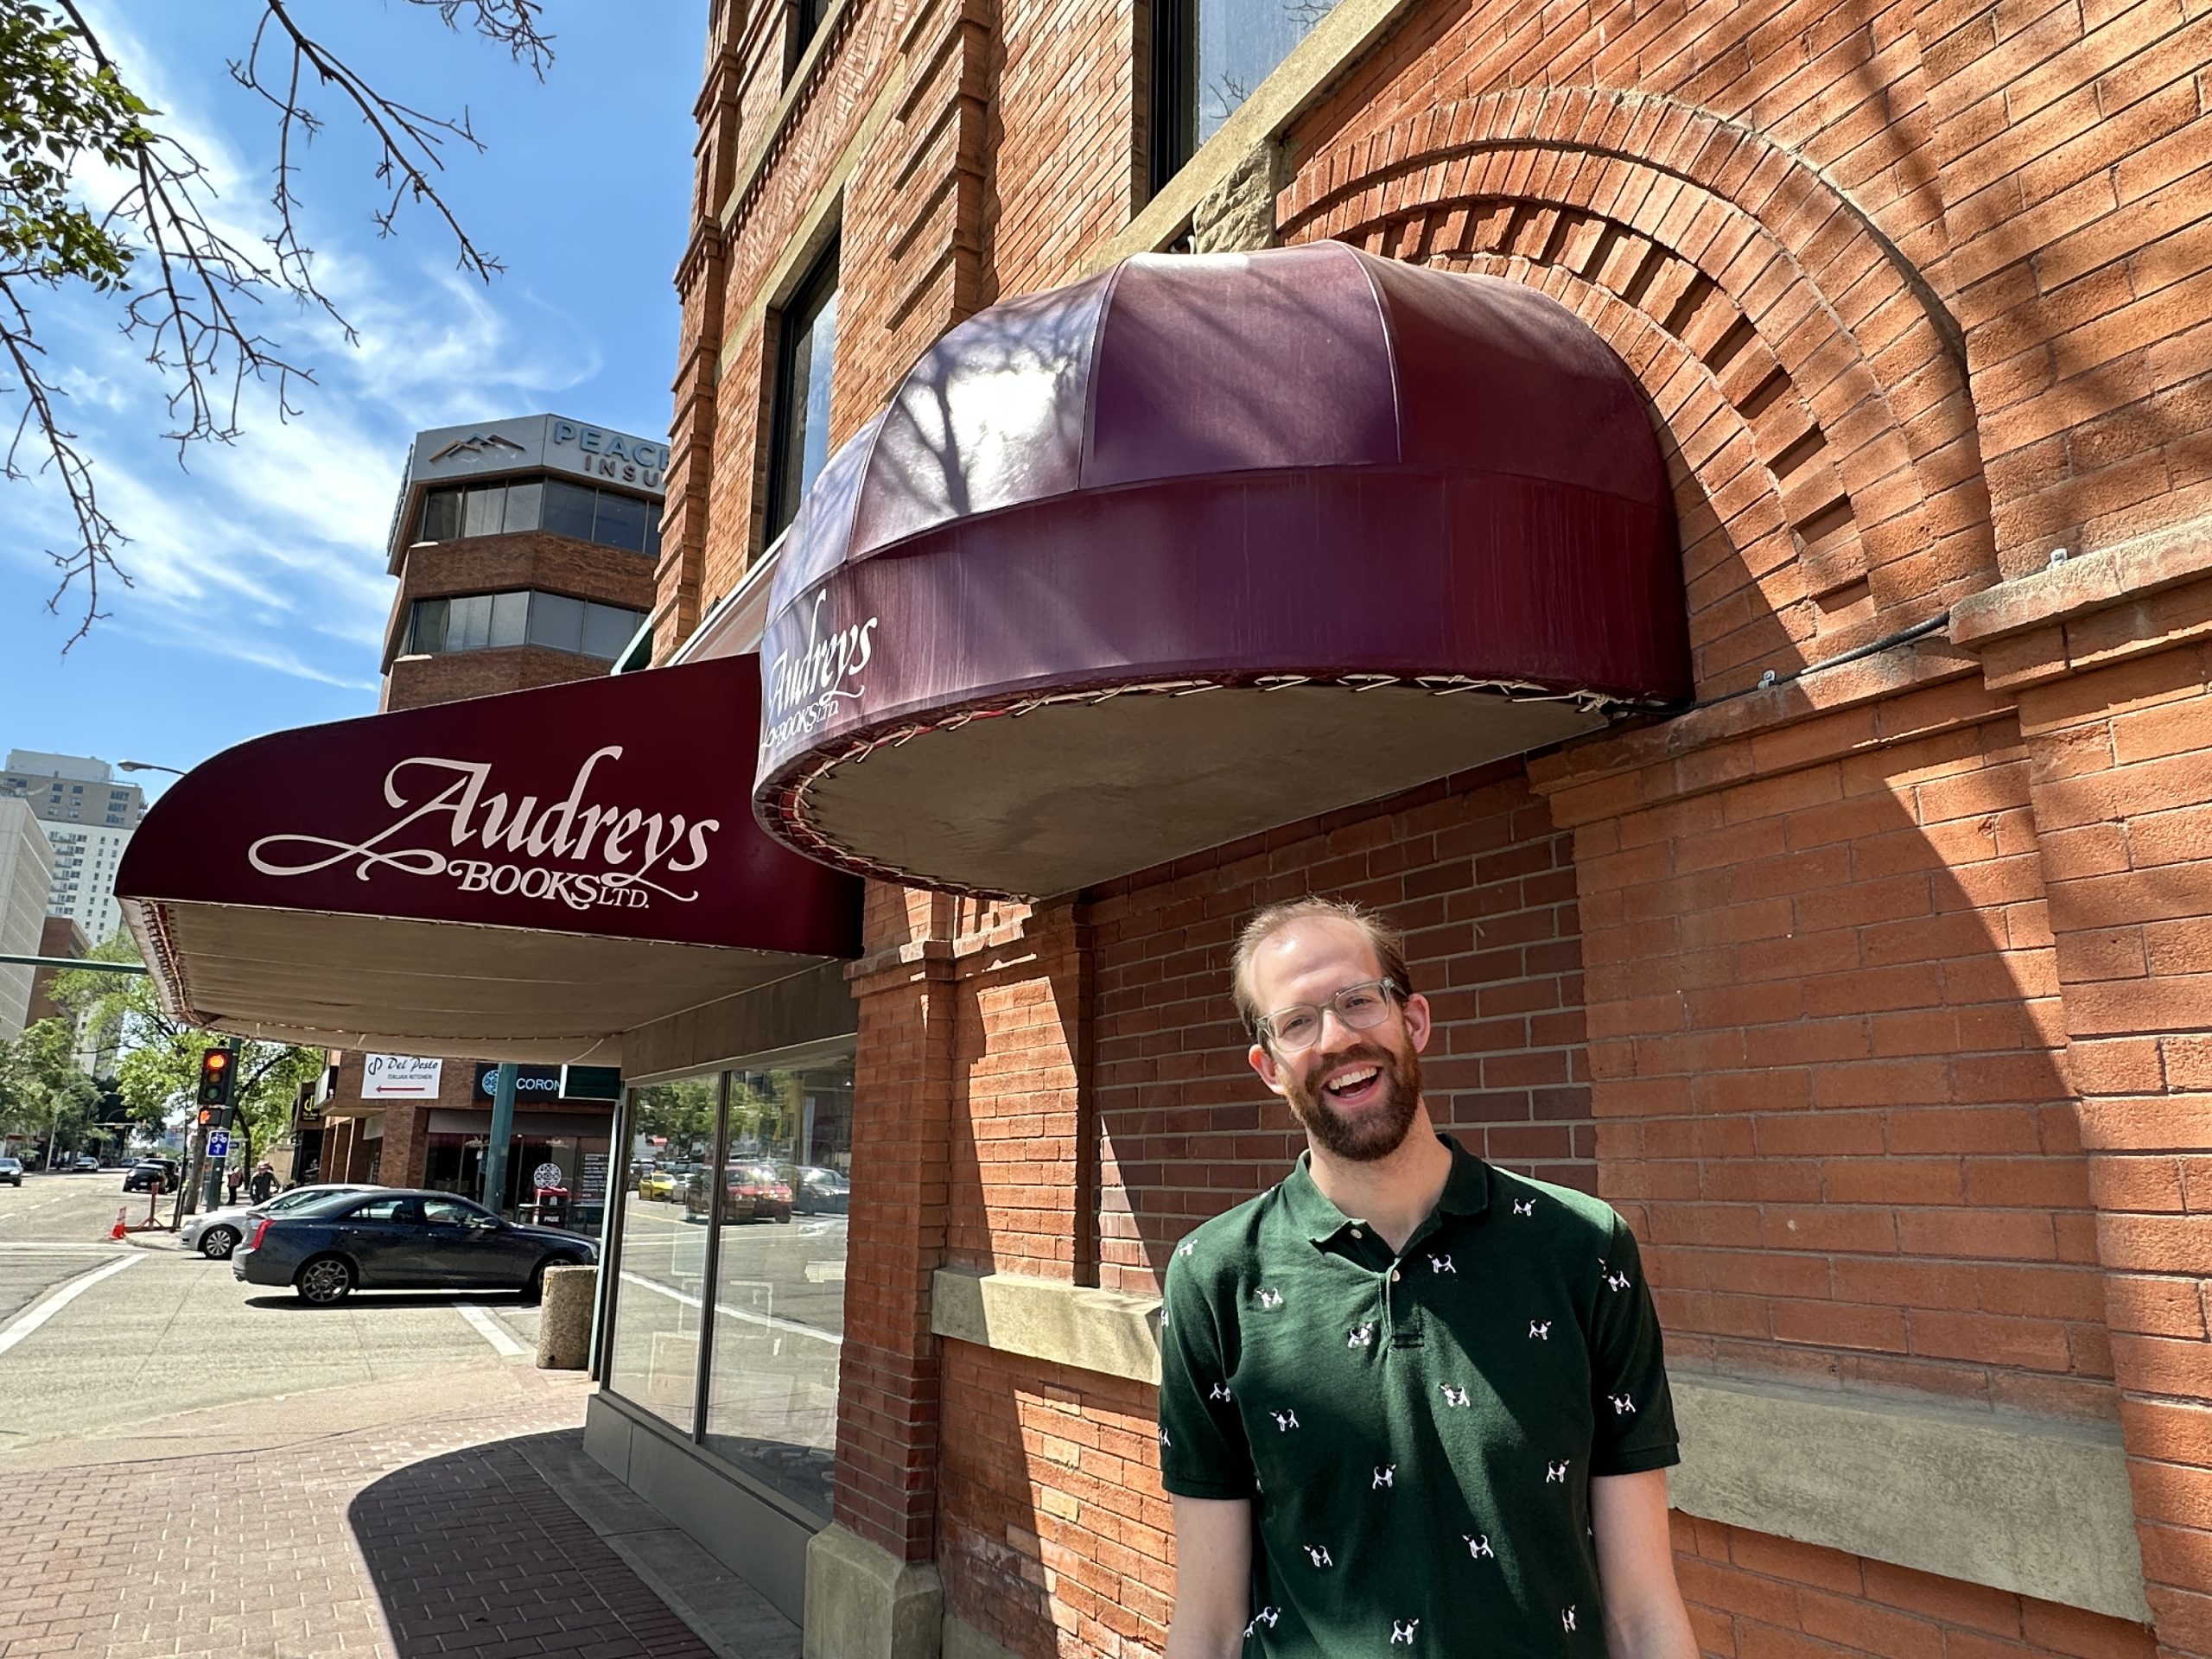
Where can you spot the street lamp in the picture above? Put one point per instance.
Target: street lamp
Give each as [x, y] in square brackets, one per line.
[147, 766]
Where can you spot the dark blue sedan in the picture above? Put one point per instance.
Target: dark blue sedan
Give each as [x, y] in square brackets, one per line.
[387, 1239]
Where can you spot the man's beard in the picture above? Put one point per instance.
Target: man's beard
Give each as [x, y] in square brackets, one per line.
[1378, 1130]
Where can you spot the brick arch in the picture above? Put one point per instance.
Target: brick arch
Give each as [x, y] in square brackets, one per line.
[1840, 493]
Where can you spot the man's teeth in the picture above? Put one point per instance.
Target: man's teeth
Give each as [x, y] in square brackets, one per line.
[1352, 1081]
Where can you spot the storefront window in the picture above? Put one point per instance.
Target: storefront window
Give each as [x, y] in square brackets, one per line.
[780, 1288]
[654, 1351]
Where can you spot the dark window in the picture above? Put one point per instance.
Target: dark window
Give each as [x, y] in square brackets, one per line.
[510, 619]
[806, 18]
[620, 522]
[568, 510]
[799, 443]
[427, 633]
[484, 513]
[607, 628]
[523, 504]
[1208, 56]
[440, 515]
[556, 622]
[381, 1210]
[468, 623]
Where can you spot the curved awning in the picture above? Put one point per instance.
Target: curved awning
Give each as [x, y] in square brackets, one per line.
[521, 877]
[1393, 523]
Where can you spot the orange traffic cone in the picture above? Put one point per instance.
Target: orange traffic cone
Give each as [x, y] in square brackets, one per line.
[119, 1229]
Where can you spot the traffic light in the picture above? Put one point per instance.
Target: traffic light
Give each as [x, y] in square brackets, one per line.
[216, 1065]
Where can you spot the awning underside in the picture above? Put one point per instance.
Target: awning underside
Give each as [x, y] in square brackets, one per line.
[435, 988]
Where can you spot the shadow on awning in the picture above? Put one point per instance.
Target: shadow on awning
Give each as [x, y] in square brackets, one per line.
[521, 877]
[1395, 522]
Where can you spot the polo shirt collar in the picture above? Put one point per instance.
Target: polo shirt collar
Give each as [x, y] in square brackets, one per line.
[1466, 1192]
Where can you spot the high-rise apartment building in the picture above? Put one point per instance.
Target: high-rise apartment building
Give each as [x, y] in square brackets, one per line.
[89, 816]
[25, 875]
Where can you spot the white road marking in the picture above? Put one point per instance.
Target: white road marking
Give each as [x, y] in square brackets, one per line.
[745, 1313]
[32, 1318]
[17, 1246]
[491, 1331]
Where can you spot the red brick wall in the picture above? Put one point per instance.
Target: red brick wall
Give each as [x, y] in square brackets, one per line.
[1825, 1040]
[1765, 1598]
[1054, 1537]
[2122, 785]
[1475, 876]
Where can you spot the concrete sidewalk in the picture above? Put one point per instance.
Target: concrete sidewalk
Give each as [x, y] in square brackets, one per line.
[461, 1518]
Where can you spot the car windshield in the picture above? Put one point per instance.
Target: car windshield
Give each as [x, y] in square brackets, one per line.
[299, 1196]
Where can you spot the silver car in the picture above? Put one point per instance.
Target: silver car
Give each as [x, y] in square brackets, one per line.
[216, 1234]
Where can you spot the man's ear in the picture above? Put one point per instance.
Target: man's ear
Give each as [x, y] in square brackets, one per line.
[1263, 1062]
[1417, 1021]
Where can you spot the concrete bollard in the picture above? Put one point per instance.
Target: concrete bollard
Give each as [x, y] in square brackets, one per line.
[564, 1320]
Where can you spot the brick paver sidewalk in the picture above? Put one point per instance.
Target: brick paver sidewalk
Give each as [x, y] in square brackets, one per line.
[408, 1540]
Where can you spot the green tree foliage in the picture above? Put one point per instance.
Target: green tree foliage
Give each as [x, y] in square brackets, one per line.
[185, 287]
[159, 1074]
[44, 1094]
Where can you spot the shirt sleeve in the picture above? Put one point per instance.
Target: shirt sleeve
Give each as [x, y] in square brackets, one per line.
[1203, 1449]
[1635, 1412]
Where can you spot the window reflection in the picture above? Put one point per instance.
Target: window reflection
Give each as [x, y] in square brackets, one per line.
[606, 517]
[654, 1350]
[479, 621]
[780, 1296]
[1208, 57]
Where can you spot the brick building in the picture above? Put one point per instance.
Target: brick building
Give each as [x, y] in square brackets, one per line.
[1869, 988]
[525, 550]
[1844, 927]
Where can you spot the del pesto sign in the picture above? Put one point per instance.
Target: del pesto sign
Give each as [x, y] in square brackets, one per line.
[448, 822]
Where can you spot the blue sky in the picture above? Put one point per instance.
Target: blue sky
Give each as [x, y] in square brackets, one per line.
[261, 595]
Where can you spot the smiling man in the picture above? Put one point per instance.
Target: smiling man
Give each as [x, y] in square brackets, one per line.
[1409, 1401]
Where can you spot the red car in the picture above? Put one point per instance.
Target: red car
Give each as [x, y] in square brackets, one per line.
[755, 1192]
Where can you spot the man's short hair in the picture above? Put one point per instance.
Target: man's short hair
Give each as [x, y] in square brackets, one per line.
[1389, 947]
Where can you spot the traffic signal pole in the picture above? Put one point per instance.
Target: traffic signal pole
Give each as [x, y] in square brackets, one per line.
[216, 1099]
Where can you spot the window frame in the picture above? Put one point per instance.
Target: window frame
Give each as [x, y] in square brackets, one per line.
[813, 292]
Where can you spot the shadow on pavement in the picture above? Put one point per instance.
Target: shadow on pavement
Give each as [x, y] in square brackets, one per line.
[286, 1300]
[474, 1552]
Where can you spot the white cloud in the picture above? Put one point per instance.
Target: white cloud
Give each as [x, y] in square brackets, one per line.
[271, 549]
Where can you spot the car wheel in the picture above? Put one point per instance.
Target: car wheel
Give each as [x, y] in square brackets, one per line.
[217, 1243]
[535, 1290]
[326, 1279]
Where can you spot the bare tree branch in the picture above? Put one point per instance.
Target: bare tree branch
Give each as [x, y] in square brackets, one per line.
[195, 314]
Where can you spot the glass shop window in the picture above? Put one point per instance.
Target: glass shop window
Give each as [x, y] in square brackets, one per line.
[780, 1287]
[799, 436]
[655, 1348]
[1207, 57]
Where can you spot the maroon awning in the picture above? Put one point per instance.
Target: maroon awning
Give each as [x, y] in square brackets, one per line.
[1395, 523]
[519, 877]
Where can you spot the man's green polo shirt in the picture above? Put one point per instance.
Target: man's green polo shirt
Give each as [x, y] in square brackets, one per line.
[1416, 1433]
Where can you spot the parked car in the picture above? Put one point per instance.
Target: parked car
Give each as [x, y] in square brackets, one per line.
[751, 1191]
[822, 1191]
[218, 1232]
[388, 1239]
[11, 1171]
[661, 1184]
[84, 1163]
[142, 1175]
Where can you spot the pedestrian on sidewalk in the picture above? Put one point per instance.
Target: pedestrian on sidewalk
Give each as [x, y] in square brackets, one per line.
[263, 1184]
[237, 1179]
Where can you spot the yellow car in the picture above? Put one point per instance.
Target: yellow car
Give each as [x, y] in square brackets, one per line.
[657, 1184]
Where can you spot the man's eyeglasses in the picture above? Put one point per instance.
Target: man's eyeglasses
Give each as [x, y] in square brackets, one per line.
[1358, 1008]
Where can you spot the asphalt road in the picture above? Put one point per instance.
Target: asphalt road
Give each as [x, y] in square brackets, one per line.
[95, 1334]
